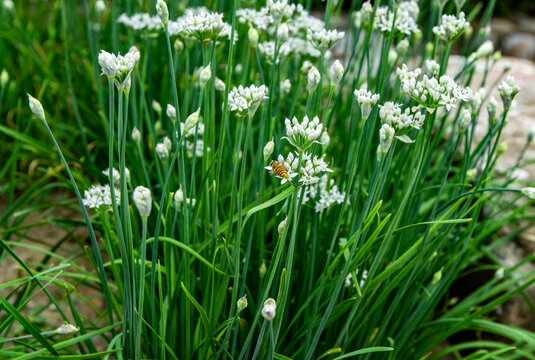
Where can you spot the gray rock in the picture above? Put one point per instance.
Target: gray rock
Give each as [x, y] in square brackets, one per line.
[520, 45]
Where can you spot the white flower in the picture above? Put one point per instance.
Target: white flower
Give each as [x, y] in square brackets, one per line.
[451, 27]
[485, 50]
[167, 143]
[302, 134]
[391, 114]
[99, 195]
[151, 25]
[405, 19]
[267, 50]
[386, 135]
[260, 19]
[8, 5]
[431, 67]
[179, 197]
[508, 89]
[162, 11]
[202, 24]
[269, 309]
[366, 101]
[143, 201]
[336, 71]
[100, 7]
[206, 75]
[323, 39]
[325, 139]
[171, 112]
[464, 120]
[163, 151]
[283, 32]
[280, 9]
[246, 99]
[325, 193]
[308, 171]
[268, 149]
[313, 78]
[199, 148]
[364, 15]
[36, 107]
[67, 329]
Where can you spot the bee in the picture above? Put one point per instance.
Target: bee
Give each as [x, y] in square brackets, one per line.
[278, 168]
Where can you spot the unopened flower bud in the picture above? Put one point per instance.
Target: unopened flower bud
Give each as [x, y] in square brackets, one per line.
[268, 149]
[242, 303]
[262, 270]
[219, 85]
[436, 277]
[269, 309]
[529, 192]
[157, 107]
[492, 109]
[471, 175]
[171, 112]
[179, 197]
[191, 121]
[4, 78]
[162, 151]
[206, 75]
[386, 135]
[36, 108]
[136, 135]
[285, 86]
[108, 63]
[179, 46]
[100, 7]
[336, 71]
[252, 34]
[464, 120]
[281, 226]
[67, 329]
[496, 57]
[502, 147]
[325, 139]
[313, 78]
[143, 201]
[283, 32]
[163, 12]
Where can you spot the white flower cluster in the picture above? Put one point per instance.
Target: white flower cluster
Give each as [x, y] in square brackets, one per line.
[308, 173]
[142, 22]
[117, 175]
[405, 18]
[349, 282]
[118, 67]
[99, 195]
[323, 39]
[430, 92]
[366, 100]
[267, 50]
[391, 114]
[246, 99]
[508, 89]
[196, 23]
[302, 134]
[280, 10]
[258, 19]
[431, 67]
[483, 51]
[451, 27]
[364, 15]
[325, 193]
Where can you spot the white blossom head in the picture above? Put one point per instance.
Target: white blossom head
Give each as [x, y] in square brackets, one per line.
[366, 100]
[386, 135]
[285, 86]
[100, 7]
[269, 309]
[179, 197]
[529, 192]
[108, 63]
[246, 100]
[143, 201]
[451, 27]
[99, 197]
[323, 39]
[252, 35]
[171, 112]
[136, 135]
[116, 175]
[205, 75]
[280, 9]
[36, 107]
[67, 329]
[464, 120]
[162, 151]
[219, 85]
[242, 303]
[303, 134]
[508, 89]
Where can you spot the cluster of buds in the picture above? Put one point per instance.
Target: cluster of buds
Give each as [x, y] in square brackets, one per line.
[336, 72]
[303, 134]
[280, 10]
[246, 100]
[118, 67]
[508, 89]
[143, 201]
[366, 101]
[163, 149]
[99, 196]
[451, 27]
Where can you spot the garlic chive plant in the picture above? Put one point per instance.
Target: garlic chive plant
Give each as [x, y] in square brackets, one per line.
[276, 185]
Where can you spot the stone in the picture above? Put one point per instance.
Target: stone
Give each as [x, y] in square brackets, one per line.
[520, 45]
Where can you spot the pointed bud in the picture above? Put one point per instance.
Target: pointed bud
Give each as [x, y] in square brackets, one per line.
[464, 120]
[108, 63]
[36, 107]
[313, 78]
[252, 34]
[171, 112]
[4, 78]
[386, 135]
[283, 33]
[281, 226]
[219, 85]
[100, 7]
[163, 12]
[242, 303]
[136, 135]
[336, 71]
[179, 197]
[492, 109]
[325, 139]
[143, 201]
[191, 121]
[268, 149]
[179, 46]
[262, 270]
[206, 75]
